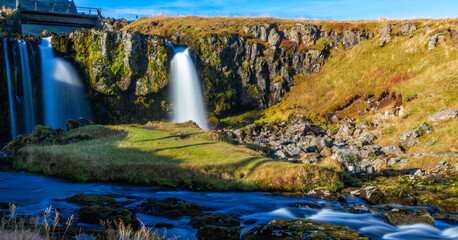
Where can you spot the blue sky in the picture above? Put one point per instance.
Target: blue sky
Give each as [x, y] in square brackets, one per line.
[305, 9]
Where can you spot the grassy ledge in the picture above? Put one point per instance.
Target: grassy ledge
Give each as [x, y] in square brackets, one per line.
[173, 155]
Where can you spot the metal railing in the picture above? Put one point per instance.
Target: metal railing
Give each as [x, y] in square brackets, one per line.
[70, 8]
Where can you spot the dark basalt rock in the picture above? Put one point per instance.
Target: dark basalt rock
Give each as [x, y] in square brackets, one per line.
[173, 208]
[300, 229]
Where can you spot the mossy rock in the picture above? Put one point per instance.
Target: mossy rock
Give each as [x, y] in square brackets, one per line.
[173, 208]
[91, 199]
[126, 216]
[448, 205]
[221, 219]
[41, 135]
[94, 213]
[218, 232]
[403, 216]
[282, 229]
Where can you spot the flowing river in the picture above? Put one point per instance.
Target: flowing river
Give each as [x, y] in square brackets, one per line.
[34, 193]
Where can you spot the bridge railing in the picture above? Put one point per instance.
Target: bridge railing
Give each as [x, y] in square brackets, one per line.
[70, 8]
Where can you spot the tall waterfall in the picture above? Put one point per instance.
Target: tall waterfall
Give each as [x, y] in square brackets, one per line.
[63, 92]
[20, 88]
[11, 95]
[30, 120]
[187, 90]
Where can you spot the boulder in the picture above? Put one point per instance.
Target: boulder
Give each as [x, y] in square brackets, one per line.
[392, 150]
[80, 122]
[372, 194]
[173, 208]
[300, 229]
[403, 216]
[443, 115]
[349, 158]
[96, 213]
[91, 199]
[325, 194]
[220, 219]
[367, 138]
[345, 132]
[217, 232]
[411, 138]
[433, 40]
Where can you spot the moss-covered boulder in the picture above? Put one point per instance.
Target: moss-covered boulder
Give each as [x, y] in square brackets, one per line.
[41, 135]
[98, 213]
[91, 199]
[220, 219]
[173, 208]
[93, 213]
[300, 229]
[218, 233]
[449, 205]
[403, 216]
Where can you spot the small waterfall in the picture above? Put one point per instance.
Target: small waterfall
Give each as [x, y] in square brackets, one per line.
[63, 92]
[187, 90]
[10, 90]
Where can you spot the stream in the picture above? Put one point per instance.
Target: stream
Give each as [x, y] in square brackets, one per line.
[34, 193]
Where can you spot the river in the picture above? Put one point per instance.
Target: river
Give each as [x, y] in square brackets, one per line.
[34, 193]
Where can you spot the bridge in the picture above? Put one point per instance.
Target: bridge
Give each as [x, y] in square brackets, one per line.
[36, 16]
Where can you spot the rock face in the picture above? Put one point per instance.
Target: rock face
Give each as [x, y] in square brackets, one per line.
[299, 230]
[127, 72]
[443, 115]
[385, 34]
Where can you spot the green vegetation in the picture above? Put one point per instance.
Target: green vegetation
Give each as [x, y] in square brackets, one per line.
[174, 155]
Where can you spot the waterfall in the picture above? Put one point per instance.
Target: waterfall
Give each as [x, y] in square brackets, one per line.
[30, 120]
[187, 90]
[63, 92]
[10, 90]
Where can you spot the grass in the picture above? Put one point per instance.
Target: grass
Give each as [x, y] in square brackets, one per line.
[172, 155]
[50, 226]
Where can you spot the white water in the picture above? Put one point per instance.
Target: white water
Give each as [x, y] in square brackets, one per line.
[187, 90]
[30, 120]
[63, 92]
[10, 90]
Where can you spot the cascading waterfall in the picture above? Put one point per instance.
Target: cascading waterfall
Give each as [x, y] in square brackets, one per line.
[20, 89]
[63, 92]
[30, 120]
[186, 89]
[10, 90]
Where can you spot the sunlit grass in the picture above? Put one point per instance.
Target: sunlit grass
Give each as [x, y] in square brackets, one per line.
[171, 155]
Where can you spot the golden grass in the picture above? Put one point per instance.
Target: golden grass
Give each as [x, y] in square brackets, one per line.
[197, 26]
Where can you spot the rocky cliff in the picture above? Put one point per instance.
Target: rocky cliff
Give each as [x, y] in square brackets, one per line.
[127, 71]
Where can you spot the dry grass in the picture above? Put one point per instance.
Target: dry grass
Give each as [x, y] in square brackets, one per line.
[197, 26]
[403, 65]
[45, 227]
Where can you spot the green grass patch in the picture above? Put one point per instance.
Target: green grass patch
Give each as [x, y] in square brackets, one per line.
[174, 155]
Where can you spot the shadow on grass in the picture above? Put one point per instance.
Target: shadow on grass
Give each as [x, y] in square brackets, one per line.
[222, 168]
[180, 136]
